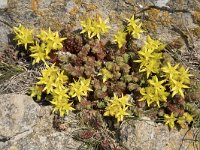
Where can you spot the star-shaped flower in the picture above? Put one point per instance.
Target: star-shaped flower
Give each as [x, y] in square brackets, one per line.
[120, 38]
[169, 120]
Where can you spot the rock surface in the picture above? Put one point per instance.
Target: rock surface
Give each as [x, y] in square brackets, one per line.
[173, 21]
[169, 20]
[145, 134]
[24, 125]
[19, 113]
[3, 4]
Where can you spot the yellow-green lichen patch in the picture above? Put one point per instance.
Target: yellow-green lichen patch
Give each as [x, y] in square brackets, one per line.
[156, 17]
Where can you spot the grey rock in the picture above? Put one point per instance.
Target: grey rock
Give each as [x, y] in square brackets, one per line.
[4, 32]
[24, 125]
[49, 141]
[146, 134]
[18, 115]
[3, 4]
[161, 3]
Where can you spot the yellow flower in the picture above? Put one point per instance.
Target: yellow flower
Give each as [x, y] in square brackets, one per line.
[49, 84]
[136, 31]
[170, 70]
[188, 117]
[177, 88]
[117, 107]
[184, 75]
[121, 113]
[146, 53]
[154, 93]
[85, 83]
[23, 35]
[53, 80]
[50, 70]
[43, 35]
[56, 42]
[157, 84]
[88, 27]
[148, 95]
[60, 93]
[49, 75]
[150, 57]
[76, 90]
[156, 45]
[79, 88]
[62, 106]
[132, 21]
[120, 38]
[185, 118]
[61, 78]
[151, 67]
[169, 120]
[124, 100]
[111, 109]
[100, 27]
[38, 53]
[134, 28]
[36, 91]
[51, 40]
[94, 27]
[106, 74]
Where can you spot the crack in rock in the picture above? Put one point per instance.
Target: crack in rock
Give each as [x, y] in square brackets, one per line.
[4, 139]
[164, 8]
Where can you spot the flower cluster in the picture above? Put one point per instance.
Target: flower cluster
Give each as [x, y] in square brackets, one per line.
[133, 28]
[52, 79]
[175, 79]
[117, 107]
[51, 40]
[23, 35]
[84, 62]
[178, 78]
[94, 27]
[170, 120]
[150, 56]
[80, 88]
[48, 41]
[54, 82]
[155, 92]
[120, 38]
[41, 47]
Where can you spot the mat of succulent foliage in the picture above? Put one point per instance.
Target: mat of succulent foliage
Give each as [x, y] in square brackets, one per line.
[106, 82]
